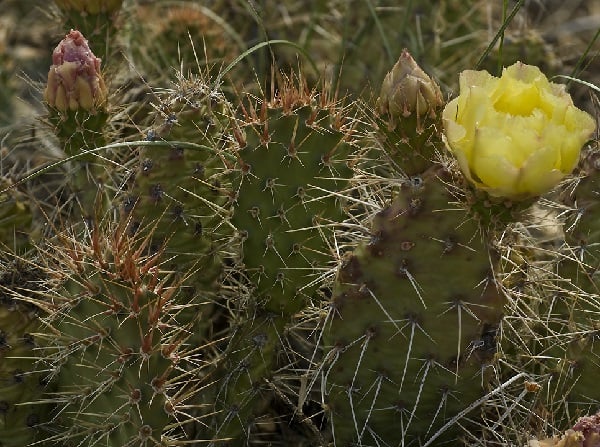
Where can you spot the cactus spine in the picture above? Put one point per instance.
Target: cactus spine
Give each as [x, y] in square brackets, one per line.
[180, 200]
[181, 317]
[580, 307]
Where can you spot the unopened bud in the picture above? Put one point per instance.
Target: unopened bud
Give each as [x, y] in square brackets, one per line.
[90, 6]
[74, 80]
[407, 89]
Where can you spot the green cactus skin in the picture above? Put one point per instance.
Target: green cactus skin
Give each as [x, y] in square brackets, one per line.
[17, 385]
[16, 219]
[181, 195]
[85, 191]
[294, 160]
[411, 153]
[294, 164]
[21, 416]
[412, 322]
[180, 199]
[116, 349]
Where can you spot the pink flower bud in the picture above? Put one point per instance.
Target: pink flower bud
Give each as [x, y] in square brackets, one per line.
[74, 80]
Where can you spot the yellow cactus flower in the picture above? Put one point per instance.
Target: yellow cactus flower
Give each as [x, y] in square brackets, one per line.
[515, 136]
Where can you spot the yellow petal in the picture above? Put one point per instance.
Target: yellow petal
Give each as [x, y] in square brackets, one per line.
[453, 131]
[555, 138]
[474, 88]
[60, 100]
[470, 78]
[84, 92]
[490, 166]
[525, 140]
[579, 122]
[463, 161]
[554, 103]
[474, 108]
[517, 135]
[523, 72]
[455, 135]
[538, 174]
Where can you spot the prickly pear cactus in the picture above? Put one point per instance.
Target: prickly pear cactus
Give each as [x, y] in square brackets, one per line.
[292, 173]
[114, 345]
[181, 194]
[412, 322]
[547, 331]
[293, 167]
